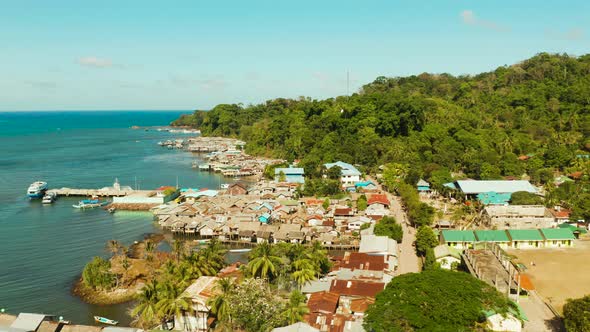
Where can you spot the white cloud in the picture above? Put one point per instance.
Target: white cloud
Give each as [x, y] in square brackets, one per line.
[468, 17]
[91, 61]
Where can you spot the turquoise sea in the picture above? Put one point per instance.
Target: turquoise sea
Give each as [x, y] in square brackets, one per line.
[44, 248]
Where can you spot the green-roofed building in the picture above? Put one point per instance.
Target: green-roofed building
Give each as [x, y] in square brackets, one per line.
[526, 238]
[498, 237]
[458, 239]
[558, 237]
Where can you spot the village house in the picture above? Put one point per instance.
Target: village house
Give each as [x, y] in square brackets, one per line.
[377, 206]
[366, 186]
[237, 189]
[423, 186]
[447, 257]
[381, 246]
[362, 266]
[517, 216]
[349, 174]
[199, 292]
[290, 175]
[560, 214]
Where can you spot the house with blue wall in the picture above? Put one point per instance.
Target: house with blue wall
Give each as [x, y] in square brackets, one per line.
[291, 175]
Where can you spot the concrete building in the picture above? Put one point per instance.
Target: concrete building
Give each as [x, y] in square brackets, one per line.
[290, 174]
[525, 238]
[458, 239]
[558, 237]
[350, 175]
[517, 217]
[447, 256]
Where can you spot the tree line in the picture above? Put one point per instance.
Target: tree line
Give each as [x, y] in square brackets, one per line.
[528, 118]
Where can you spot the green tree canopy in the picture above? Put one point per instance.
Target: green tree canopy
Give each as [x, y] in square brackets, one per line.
[576, 314]
[389, 227]
[525, 198]
[425, 239]
[433, 300]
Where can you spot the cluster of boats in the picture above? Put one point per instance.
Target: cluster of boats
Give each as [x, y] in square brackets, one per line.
[38, 189]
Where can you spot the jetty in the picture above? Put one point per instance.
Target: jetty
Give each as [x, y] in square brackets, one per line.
[116, 190]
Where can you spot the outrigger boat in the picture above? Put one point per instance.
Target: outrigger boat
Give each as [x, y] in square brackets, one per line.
[103, 320]
[90, 204]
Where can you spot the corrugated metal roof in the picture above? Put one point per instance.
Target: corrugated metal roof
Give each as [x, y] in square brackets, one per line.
[347, 169]
[491, 236]
[525, 235]
[498, 186]
[458, 236]
[558, 234]
[290, 170]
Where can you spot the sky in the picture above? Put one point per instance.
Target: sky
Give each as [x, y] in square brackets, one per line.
[185, 55]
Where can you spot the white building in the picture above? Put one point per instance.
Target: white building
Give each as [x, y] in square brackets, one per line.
[350, 175]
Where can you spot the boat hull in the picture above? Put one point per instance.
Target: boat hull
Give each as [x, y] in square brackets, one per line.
[35, 195]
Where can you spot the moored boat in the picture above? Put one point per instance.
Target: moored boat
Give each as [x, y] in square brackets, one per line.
[103, 320]
[37, 189]
[49, 197]
[90, 204]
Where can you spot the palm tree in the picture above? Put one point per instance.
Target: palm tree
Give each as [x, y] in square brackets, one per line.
[179, 249]
[172, 302]
[263, 261]
[219, 304]
[318, 254]
[305, 271]
[150, 246]
[199, 265]
[113, 246]
[146, 311]
[296, 308]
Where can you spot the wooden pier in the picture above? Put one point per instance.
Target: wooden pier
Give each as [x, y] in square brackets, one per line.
[96, 192]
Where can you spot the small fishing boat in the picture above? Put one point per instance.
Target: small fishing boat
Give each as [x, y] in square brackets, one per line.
[103, 320]
[112, 210]
[90, 204]
[224, 186]
[49, 197]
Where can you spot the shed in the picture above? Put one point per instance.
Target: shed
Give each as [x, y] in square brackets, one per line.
[423, 186]
[446, 256]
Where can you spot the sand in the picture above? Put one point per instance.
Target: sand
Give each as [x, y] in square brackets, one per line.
[559, 273]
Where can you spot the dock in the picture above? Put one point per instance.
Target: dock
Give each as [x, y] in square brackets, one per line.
[96, 192]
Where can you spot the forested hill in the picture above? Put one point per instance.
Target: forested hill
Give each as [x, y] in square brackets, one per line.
[477, 125]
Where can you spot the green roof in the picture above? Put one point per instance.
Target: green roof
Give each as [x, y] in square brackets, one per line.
[525, 235]
[573, 228]
[458, 236]
[557, 233]
[491, 236]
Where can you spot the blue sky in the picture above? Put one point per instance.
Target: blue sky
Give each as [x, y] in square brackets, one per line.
[182, 55]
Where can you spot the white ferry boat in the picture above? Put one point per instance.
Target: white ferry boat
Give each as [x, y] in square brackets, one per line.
[37, 189]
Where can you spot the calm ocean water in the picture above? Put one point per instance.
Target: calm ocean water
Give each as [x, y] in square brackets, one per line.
[44, 248]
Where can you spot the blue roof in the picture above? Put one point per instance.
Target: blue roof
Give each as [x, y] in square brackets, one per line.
[494, 198]
[290, 171]
[450, 185]
[363, 183]
[499, 186]
[347, 169]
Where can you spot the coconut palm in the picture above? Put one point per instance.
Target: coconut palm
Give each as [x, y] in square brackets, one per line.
[263, 261]
[199, 265]
[318, 254]
[150, 247]
[179, 249]
[295, 308]
[146, 311]
[172, 303]
[219, 304]
[304, 271]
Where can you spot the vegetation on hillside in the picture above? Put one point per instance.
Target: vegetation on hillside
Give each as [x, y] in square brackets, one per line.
[530, 118]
